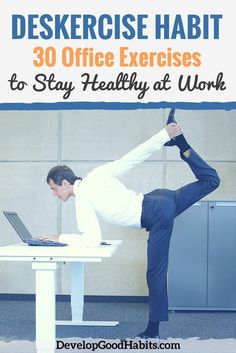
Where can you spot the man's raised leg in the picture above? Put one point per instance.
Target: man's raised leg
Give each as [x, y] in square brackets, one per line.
[208, 181]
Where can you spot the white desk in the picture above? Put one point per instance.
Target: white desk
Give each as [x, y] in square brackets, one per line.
[45, 262]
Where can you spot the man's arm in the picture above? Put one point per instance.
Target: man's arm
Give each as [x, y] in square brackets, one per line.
[88, 225]
[140, 153]
[89, 235]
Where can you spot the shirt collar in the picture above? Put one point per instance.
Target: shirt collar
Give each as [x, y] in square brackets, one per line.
[75, 186]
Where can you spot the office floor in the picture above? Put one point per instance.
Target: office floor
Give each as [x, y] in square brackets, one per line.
[17, 322]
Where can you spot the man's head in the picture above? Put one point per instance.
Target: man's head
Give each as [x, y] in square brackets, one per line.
[61, 180]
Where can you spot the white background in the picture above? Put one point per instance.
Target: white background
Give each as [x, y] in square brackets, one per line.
[217, 55]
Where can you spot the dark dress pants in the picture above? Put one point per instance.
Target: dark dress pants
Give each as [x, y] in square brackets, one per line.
[159, 209]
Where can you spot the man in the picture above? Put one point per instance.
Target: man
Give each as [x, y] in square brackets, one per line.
[101, 192]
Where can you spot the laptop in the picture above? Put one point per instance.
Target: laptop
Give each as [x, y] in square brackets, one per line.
[24, 234]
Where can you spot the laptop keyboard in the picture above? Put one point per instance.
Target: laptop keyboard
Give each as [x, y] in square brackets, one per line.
[38, 242]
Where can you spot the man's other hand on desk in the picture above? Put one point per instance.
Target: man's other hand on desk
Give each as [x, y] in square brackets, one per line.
[50, 237]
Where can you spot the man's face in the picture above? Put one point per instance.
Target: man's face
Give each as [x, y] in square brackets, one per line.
[63, 191]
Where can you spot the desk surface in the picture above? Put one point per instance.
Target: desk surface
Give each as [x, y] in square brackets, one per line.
[23, 252]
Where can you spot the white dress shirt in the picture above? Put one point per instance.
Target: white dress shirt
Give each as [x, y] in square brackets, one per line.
[100, 192]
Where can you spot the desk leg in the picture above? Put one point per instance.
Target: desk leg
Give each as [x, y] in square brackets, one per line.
[77, 300]
[77, 291]
[45, 274]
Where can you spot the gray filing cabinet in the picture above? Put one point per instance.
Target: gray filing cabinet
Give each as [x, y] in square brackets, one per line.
[202, 262]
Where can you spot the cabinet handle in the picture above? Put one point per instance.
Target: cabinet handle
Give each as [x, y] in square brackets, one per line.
[212, 207]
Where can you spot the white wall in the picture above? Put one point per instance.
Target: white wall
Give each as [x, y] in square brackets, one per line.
[31, 142]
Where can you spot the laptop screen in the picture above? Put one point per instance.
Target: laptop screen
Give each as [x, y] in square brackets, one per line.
[18, 225]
